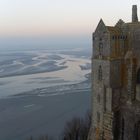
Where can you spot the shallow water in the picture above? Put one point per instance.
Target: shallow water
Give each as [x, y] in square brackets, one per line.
[42, 102]
[71, 73]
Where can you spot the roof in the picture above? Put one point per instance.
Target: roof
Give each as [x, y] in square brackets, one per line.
[120, 23]
[114, 30]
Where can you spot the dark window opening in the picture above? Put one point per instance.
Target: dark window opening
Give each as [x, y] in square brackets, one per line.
[116, 125]
[100, 48]
[113, 37]
[124, 37]
[137, 131]
[122, 130]
[98, 117]
[98, 98]
[105, 100]
[100, 73]
[138, 76]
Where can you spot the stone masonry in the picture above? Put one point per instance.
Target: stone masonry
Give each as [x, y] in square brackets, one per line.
[116, 81]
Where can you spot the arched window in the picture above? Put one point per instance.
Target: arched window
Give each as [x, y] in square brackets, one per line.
[100, 73]
[138, 76]
[100, 49]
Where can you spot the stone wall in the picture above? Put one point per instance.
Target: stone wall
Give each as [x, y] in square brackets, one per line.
[115, 66]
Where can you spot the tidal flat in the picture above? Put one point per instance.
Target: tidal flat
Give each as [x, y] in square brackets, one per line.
[39, 103]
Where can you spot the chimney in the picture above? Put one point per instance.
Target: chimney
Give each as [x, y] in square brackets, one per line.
[134, 13]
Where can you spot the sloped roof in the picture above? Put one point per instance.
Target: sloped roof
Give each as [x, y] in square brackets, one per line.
[120, 23]
[101, 26]
[114, 30]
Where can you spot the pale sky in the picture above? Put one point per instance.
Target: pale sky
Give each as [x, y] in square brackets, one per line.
[52, 18]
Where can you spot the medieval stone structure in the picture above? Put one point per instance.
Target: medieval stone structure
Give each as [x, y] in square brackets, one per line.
[116, 81]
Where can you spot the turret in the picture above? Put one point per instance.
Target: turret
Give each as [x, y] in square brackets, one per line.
[134, 13]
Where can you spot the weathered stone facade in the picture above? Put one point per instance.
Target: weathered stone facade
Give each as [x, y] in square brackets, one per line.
[116, 81]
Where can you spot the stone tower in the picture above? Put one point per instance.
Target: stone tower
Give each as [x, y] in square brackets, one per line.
[134, 14]
[116, 81]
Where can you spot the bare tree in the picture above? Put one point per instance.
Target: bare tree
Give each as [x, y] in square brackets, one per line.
[77, 128]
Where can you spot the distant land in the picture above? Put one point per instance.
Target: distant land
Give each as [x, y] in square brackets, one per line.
[38, 43]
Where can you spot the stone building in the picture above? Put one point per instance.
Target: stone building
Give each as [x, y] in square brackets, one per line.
[116, 81]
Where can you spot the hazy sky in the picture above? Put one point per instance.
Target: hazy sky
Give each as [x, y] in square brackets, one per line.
[58, 18]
